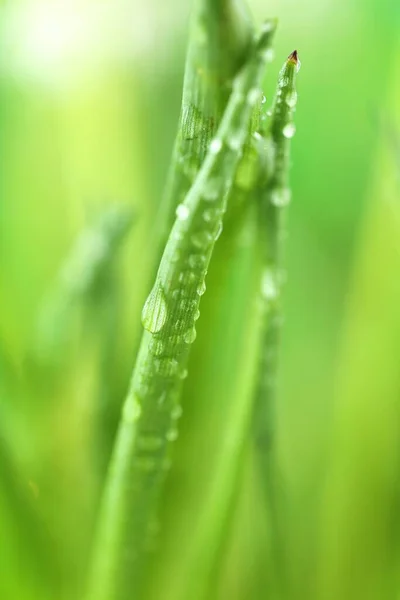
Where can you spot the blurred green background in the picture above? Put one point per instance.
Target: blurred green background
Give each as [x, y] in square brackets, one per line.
[89, 104]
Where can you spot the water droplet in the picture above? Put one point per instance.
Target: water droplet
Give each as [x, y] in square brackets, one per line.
[132, 410]
[253, 96]
[269, 113]
[280, 197]
[177, 411]
[235, 142]
[172, 435]
[196, 316]
[212, 190]
[257, 136]
[187, 278]
[298, 65]
[202, 239]
[216, 146]
[183, 374]
[182, 212]
[190, 335]
[210, 214]
[269, 55]
[197, 261]
[154, 313]
[291, 99]
[269, 288]
[201, 290]
[289, 130]
[219, 231]
[263, 100]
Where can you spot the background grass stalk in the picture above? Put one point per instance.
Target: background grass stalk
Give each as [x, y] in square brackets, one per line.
[149, 422]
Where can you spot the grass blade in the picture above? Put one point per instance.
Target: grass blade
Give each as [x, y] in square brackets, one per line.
[274, 198]
[221, 36]
[148, 426]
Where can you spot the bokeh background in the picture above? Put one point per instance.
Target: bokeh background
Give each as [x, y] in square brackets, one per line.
[89, 104]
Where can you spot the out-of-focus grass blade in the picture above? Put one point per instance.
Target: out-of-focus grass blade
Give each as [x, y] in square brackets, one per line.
[360, 526]
[151, 410]
[82, 278]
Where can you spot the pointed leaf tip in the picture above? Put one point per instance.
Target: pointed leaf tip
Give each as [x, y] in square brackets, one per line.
[293, 58]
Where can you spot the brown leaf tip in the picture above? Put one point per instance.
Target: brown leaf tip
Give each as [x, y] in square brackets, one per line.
[293, 58]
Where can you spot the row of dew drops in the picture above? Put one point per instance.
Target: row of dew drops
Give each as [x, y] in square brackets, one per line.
[155, 311]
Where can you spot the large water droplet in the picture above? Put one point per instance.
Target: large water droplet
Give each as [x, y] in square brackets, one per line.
[289, 130]
[154, 313]
[212, 189]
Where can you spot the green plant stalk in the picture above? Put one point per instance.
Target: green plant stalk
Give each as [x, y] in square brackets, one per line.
[221, 37]
[274, 199]
[149, 422]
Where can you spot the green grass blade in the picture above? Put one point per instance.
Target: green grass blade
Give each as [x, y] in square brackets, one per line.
[148, 425]
[220, 39]
[82, 278]
[273, 200]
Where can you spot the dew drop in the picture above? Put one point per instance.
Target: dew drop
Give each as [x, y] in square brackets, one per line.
[197, 261]
[298, 65]
[291, 99]
[177, 411]
[190, 335]
[216, 146]
[201, 290]
[269, 55]
[269, 289]
[219, 231]
[154, 313]
[172, 435]
[182, 212]
[196, 315]
[202, 239]
[289, 130]
[210, 214]
[183, 374]
[235, 142]
[132, 410]
[280, 197]
[212, 190]
[187, 278]
[253, 96]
